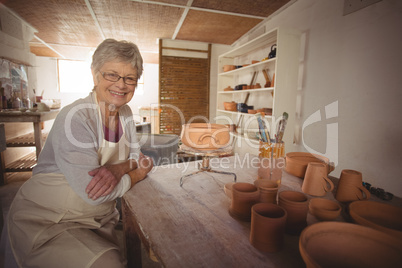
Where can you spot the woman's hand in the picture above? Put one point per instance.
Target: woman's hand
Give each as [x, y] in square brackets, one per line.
[104, 180]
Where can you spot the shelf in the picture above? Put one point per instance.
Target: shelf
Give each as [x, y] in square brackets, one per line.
[25, 163]
[252, 67]
[254, 44]
[26, 140]
[238, 113]
[246, 90]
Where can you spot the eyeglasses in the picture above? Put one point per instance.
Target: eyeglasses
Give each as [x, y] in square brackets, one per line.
[112, 77]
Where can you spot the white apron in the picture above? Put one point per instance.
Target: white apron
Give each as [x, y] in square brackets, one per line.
[51, 226]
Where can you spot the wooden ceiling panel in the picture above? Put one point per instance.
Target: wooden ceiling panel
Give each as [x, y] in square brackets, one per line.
[172, 2]
[59, 22]
[214, 28]
[262, 8]
[137, 22]
[68, 52]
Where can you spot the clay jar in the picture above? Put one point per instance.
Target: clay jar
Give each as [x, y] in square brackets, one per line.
[268, 223]
[315, 181]
[268, 190]
[271, 169]
[244, 196]
[296, 206]
[350, 187]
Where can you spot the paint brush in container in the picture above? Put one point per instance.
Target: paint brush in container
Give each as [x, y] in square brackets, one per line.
[281, 127]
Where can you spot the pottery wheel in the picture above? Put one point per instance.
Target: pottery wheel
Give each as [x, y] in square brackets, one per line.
[206, 156]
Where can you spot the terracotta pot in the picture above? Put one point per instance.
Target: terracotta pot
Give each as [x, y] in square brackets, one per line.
[267, 227]
[296, 206]
[230, 106]
[229, 88]
[315, 181]
[228, 189]
[244, 196]
[227, 68]
[271, 169]
[296, 163]
[268, 190]
[203, 136]
[339, 244]
[380, 216]
[350, 187]
[324, 209]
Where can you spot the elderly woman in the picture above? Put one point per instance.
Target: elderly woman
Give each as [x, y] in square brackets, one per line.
[64, 216]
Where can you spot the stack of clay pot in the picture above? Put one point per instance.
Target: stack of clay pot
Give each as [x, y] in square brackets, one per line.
[244, 196]
[296, 206]
[268, 190]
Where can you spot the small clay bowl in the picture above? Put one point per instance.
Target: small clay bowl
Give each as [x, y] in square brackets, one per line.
[230, 106]
[324, 209]
[380, 216]
[340, 244]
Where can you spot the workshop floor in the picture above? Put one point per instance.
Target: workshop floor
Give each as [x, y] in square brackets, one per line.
[7, 192]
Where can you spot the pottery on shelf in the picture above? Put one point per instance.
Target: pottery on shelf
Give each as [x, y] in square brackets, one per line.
[244, 196]
[340, 244]
[204, 136]
[296, 163]
[383, 217]
[350, 187]
[230, 106]
[267, 227]
[324, 209]
[227, 68]
[296, 206]
[316, 181]
[268, 190]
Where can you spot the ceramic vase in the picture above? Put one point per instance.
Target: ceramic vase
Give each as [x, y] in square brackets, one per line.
[268, 223]
[316, 182]
[350, 187]
[268, 190]
[244, 196]
[296, 206]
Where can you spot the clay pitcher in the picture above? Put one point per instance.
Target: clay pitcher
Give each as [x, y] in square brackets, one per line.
[244, 196]
[315, 181]
[350, 187]
[296, 206]
[268, 223]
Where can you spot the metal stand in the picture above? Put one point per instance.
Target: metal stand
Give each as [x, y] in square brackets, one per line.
[206, 156]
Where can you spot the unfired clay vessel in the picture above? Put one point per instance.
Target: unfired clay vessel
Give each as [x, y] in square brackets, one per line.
[340, 244]
[380, 216]
[204, 136]
[268, 190]
[296, 163]
[244, 196]
[324, 209]
[296, 206]
[316, 182]
[350, 187]
[267, 227]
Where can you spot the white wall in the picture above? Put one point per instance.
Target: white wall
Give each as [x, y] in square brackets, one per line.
[352, 68]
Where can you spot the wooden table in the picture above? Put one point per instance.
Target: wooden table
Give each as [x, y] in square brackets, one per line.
[190, 226]
[34, 117]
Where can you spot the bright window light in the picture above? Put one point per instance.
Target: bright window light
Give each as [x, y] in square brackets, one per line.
[75, 76]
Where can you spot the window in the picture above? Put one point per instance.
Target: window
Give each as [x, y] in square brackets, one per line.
[74, 76]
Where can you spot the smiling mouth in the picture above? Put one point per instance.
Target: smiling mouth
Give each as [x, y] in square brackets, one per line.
[117, 93]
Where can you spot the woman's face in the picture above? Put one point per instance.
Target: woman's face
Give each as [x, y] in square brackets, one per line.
[115, 93]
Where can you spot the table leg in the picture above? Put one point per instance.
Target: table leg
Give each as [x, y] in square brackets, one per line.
[38, 138]
[133, 242]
